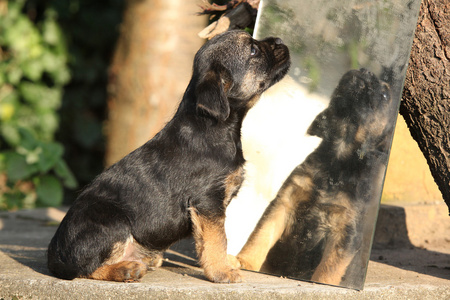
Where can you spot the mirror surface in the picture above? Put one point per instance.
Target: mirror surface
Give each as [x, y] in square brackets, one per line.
[317, 143]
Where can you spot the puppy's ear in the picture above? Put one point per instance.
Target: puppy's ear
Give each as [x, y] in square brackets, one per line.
[320, 124]
[211, 93]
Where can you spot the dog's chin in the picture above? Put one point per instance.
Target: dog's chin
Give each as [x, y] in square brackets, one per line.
[280, 72]
[282, 66]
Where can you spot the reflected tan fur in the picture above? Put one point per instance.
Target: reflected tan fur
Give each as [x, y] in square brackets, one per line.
[312, 228]
[276, 221]
[335, 260]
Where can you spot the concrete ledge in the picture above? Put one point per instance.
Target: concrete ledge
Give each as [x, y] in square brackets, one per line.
[397, 271]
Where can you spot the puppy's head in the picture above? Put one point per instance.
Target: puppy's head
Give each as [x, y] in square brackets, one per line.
[232, 70]
[359, 113]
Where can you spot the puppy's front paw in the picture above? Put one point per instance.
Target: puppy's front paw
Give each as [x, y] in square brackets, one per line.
[224, 276]
[233, 262]
[247, 265]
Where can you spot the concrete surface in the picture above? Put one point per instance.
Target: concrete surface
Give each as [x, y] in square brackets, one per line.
[405, 264]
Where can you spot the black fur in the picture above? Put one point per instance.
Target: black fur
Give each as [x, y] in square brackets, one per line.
[325, 199]
[344, 164]
[149, 193]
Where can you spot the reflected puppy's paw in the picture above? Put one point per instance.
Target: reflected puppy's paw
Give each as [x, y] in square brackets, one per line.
[245, 264]
[233, 262]
[222, 276]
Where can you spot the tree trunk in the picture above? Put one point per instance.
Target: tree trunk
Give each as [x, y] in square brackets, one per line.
[425, 102]
[150, 70]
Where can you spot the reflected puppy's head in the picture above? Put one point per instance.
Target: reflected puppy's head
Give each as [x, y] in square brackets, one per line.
[360, 112]
[232, 70]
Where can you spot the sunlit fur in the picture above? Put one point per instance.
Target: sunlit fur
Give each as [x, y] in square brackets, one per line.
[313, 228]
[179, 183]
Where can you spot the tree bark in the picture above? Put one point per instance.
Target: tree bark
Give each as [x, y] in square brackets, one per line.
[150, 70]
[425, 102]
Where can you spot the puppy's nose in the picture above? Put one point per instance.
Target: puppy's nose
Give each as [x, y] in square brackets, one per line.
[278, 41]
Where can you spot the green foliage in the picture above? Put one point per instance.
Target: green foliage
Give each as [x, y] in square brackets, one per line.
[54, 57]
[33, 71]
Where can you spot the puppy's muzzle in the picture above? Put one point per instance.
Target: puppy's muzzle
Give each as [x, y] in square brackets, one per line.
[281, 57]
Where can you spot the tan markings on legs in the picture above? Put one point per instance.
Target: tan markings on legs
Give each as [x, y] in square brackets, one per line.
[277, 219]
[361, 134]
[128, 262]
[126, 271]
[153, 259]
[233, 262]
[336, 258]
[334, 266]
[232, 184]
[211, 246]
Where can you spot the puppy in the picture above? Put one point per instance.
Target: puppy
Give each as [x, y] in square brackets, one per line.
[179, 183]
[312, 229]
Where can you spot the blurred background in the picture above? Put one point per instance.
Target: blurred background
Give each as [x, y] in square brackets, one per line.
[83, 83]
[75, 98]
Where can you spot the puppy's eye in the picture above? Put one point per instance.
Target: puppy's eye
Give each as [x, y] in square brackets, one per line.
[254, 50]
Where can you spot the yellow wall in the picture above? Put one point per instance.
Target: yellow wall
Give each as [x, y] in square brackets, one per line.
[408, 177]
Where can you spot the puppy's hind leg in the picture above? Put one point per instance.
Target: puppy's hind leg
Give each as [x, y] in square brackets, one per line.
[211, 246]
[124, 271]
[95, 242]
[339, 248]
[128, 262]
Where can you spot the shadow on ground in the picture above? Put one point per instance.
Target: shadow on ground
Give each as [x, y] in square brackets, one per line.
[24, 236]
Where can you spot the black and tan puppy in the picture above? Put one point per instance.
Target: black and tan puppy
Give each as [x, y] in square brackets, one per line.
[312, 229]
[180, 182]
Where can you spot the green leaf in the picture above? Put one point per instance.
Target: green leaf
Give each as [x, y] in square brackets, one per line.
[51, 153]
[17, 167]
[51, 32]
[40, 95]
[24, 38]
[10, 134]
[2, 163]
[56, 66]
[63, 171]
[31, 156]
[12, 200]
[49, 191]
[33, 69]
[9, 96]
[14, 75]
[27, 139]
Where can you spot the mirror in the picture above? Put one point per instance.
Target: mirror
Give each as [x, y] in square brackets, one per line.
[317, 143]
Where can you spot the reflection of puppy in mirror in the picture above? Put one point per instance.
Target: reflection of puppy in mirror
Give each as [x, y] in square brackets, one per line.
[180, 182]
[311, 229]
